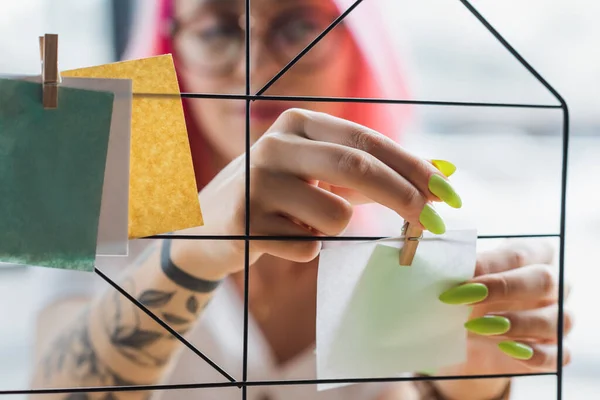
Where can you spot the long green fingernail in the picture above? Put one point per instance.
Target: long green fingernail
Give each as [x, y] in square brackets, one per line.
[442, 189]
[516, 350]
[488, 325]
[445, 167]
[427, 372]
[431, 220]
[465, 294]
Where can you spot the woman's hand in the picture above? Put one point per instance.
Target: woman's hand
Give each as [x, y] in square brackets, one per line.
[306, 173]
[513, 325]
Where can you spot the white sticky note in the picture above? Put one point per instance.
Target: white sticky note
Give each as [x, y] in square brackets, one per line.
[113, 238]
[377, 319]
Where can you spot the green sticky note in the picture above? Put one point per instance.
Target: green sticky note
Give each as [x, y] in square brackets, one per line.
[377, 319]
[52, 165]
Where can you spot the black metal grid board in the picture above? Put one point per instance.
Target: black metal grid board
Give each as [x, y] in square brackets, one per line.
[249, 97]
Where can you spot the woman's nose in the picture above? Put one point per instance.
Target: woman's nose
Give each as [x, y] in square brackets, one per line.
[263, 65]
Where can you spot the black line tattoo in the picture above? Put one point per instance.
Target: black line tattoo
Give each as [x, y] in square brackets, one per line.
[155, 298]
[122, 324]
[175, 319]
[180, 277]
[73, 353]
[192, 305]
[78, 396]
[103, 396]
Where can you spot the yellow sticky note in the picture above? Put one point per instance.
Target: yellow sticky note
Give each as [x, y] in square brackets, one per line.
[162, 187]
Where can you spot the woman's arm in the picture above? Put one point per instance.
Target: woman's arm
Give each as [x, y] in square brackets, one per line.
[111, 342]
[479, 389]
[496, 389]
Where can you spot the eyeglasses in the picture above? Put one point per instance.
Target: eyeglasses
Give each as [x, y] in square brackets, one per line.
[214, 42]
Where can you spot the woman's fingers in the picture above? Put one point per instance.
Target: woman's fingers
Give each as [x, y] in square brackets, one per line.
[347, 167]
[352, 196]
[538, 325]
[531, 283]
[528, 284]
[426, 177]
[515, 254]
[294, 250]
[290, 196]
[542, 358]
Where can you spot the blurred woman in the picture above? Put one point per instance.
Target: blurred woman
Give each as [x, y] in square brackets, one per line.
[311, 163]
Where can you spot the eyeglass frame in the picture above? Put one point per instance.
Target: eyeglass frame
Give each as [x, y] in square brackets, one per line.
[175, 26]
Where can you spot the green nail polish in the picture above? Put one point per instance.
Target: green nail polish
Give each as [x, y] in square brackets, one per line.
[516, 350]
[431, 220]
[427, 372]
[488, 325]
[445, 167]
[442, 189]
[465, 294]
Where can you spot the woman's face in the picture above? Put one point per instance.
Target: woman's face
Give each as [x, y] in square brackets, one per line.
[209, 45]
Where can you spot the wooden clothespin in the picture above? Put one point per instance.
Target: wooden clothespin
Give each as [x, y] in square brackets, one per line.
[412, 235]
[50, 74]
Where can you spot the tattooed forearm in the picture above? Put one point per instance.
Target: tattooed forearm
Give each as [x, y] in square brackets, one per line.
[115, 343]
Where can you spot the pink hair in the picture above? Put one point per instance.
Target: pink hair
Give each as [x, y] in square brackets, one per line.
[379, 74]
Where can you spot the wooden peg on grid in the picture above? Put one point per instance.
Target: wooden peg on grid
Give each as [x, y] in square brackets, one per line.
[412, 235]
[50, 75]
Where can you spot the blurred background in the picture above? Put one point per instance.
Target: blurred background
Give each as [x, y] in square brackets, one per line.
[509, 160]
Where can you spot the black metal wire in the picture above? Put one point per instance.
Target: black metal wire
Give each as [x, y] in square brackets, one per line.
[563, 194]
[325, 99]
[188, 386]
[248, 98]
[247, 205]
[327, 238]
[561, 261]
[247, 237]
